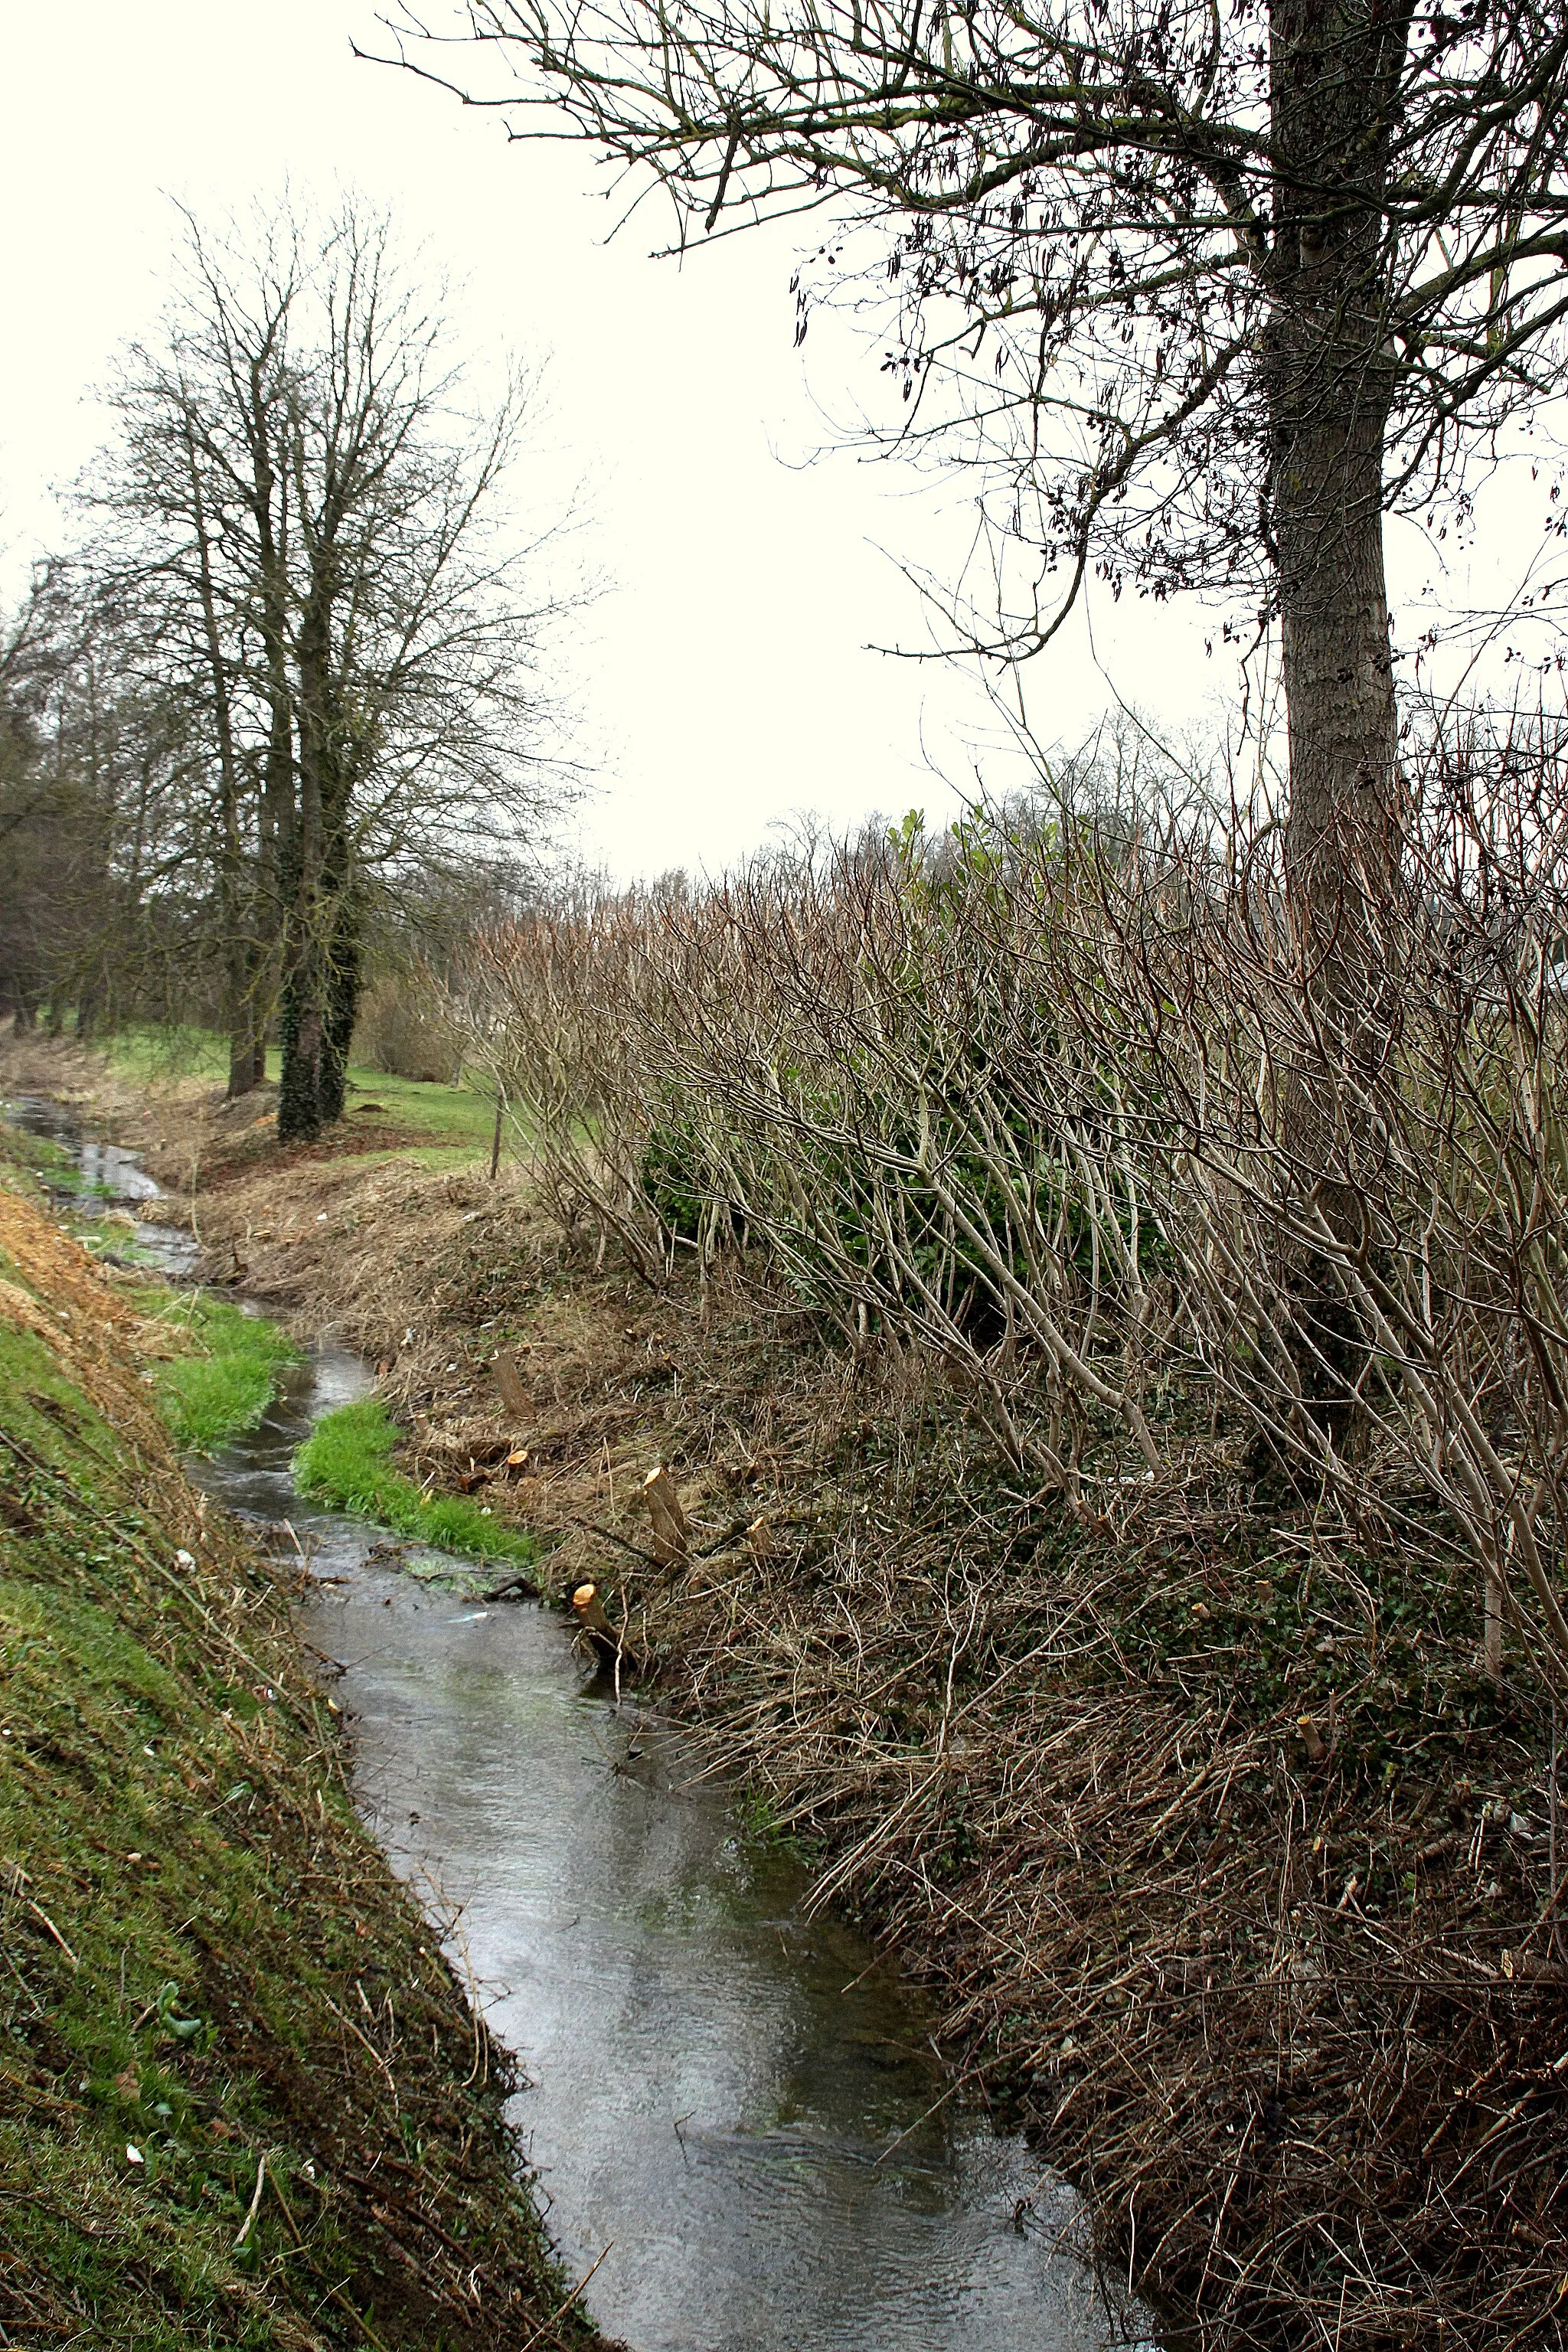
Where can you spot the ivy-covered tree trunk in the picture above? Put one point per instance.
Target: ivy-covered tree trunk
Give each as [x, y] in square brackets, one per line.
[342, 1006]
[300, 1020]
[300, 1110]
[321, 951]
[323, 958]
[278, 811]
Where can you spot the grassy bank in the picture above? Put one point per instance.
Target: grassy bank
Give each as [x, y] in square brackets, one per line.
[215, 1369]
[346, 1463]
[199, 2144]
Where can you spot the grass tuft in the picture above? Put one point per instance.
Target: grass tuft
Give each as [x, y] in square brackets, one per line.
[346, 1463]
[209, 1398]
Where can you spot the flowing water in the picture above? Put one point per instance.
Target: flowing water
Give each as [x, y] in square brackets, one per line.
[108, 1177]
[742, 2106]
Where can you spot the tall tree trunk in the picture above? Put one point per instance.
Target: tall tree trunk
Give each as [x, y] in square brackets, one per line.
[232, 913]
[277, 825]
[299, 1040]
[310, 1094]
[278, 815]
[1342, 835]
[1328, 384]
[303, 1024]
[1342, 848]
[1334, 72]
[301, 1029]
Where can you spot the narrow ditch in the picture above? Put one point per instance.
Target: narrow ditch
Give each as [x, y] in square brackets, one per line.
[732, 2110]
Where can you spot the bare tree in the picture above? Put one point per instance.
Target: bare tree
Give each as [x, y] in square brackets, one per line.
[306, 517]
[1206, 291]
[193, 546]
[416, 712]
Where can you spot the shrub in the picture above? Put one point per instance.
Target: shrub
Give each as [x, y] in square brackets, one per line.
[1089, 1115]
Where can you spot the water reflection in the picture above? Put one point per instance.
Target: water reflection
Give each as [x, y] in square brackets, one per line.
[738, 2103]
[730, 2096]
[112, 1175]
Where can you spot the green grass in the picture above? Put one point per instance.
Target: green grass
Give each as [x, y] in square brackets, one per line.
[190, 1913]
[448, 1115]
[114, 1751]
[223, 1387]
[209, 1398]
[346, 1463]
[454, 1117]
[148, 1052]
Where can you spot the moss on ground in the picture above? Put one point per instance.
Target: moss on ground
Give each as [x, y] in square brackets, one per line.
[346, 1463]
[39, 1156]
[243, 2102]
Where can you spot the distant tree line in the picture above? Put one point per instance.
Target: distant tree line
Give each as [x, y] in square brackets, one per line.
[285, 689]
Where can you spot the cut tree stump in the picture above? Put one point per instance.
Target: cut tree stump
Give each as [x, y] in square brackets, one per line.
[508, 1380]
[669, 1531]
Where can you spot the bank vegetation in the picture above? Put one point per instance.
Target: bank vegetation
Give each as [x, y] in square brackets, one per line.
[1117, 1363]
[243, 2097]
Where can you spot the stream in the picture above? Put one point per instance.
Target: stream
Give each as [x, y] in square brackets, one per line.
[741, 2106]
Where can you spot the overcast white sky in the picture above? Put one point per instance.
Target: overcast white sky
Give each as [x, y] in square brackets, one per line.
[724, 682]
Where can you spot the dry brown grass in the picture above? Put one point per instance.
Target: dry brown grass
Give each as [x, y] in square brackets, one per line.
[1296, 2027]
[32, 1063]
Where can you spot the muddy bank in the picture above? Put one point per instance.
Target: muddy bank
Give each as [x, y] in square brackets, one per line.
[243, 2098]
[1289, 2009]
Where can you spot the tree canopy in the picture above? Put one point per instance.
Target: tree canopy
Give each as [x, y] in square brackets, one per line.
[1203, 288]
